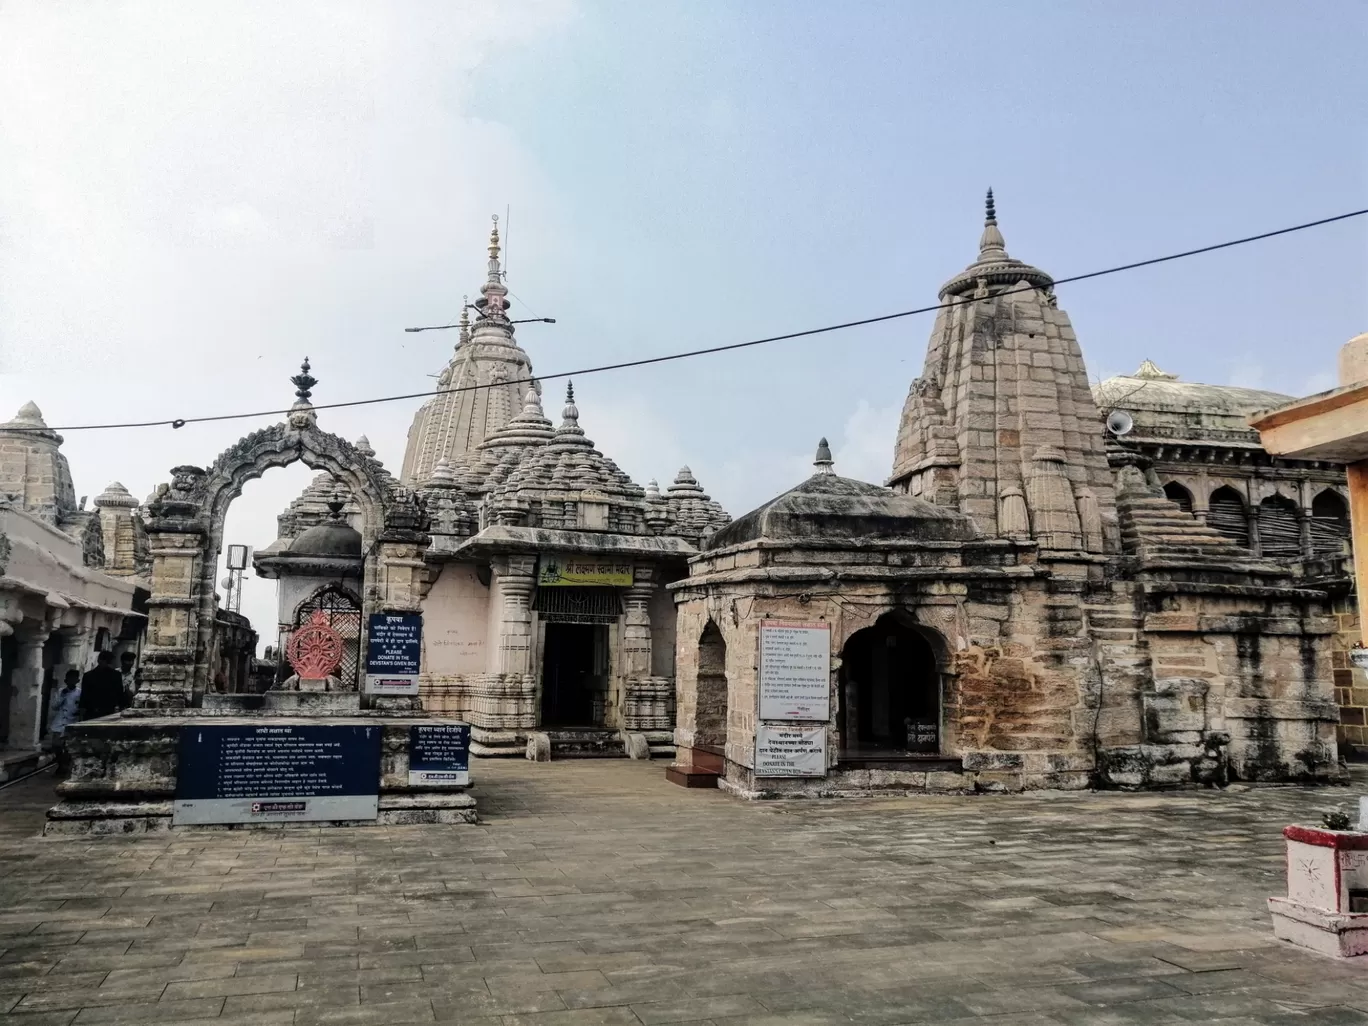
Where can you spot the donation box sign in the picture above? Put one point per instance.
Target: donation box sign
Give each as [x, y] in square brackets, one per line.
[394, 648]
[439, 755]
[790, 751]
[795, 670]
[277, 773]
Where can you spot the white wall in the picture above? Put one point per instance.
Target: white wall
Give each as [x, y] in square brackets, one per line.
[456, 623]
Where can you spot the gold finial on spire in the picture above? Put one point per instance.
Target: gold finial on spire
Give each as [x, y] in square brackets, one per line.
[494, 239]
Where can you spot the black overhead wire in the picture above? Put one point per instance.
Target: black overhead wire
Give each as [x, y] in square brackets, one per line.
[646, 361]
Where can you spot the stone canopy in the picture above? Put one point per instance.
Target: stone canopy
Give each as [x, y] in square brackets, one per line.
[827, 507]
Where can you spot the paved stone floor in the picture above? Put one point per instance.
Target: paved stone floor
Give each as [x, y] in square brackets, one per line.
[595, 893]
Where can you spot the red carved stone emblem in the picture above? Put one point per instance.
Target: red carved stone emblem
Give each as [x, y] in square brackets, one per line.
[315, 649]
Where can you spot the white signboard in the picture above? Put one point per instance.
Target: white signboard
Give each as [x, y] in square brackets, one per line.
[790, 751]
[795, 670]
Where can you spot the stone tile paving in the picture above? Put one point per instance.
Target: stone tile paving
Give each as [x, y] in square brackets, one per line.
[595, 893]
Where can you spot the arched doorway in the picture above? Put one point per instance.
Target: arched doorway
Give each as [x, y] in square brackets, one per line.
[710, 713]
[890, 692]
[1175, 492]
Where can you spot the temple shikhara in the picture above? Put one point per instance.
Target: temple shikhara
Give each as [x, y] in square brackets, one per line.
[1057, 585]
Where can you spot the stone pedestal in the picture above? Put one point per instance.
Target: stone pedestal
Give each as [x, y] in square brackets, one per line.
[1326, 908]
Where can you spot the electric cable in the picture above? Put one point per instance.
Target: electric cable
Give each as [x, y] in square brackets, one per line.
[179, 422]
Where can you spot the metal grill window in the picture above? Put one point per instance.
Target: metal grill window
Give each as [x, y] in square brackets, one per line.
[578, 605]
[1279, 528]
[1329, 523]
[344, 616]
[1226, 516]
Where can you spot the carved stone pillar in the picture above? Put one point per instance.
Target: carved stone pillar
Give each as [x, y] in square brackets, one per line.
[26, 689]
[514, 577]
[168, 663]
[636, 634]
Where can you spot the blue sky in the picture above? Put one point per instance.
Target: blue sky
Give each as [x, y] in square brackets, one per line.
[189, 203]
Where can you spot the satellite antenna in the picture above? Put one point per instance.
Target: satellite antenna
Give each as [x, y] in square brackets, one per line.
[1119, 423]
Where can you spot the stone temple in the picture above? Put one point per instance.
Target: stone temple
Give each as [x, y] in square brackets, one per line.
[543, 586]
[1057, 585]
[1034, 600]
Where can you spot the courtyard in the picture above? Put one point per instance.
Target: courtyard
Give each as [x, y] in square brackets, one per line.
[593, 892]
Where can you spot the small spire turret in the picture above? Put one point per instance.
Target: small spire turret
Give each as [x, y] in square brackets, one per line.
[824, 462]
[991, 242]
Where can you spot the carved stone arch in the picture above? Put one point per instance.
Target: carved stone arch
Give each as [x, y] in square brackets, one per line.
[186, 521]
[281, 445]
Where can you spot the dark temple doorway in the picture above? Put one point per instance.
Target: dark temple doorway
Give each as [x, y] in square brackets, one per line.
[890, 689]
[574, 675]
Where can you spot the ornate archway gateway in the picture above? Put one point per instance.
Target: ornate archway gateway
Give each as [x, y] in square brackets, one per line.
[185, 528]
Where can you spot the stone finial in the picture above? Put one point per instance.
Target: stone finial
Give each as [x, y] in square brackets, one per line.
[495, 273]
[304, 382]
[652, 490]
[824, 462]
[1149, 369]
[991, 241]
[29, 414]
[115, 495]
[364, 447]
[464, 336]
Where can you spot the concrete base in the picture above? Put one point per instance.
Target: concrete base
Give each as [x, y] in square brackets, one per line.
[1341, 935]
[124, 768]
[84, 819]
[584, 743]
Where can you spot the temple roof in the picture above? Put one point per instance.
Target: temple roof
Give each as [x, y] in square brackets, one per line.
[827, 507]
[1165, 407]
[994, 265]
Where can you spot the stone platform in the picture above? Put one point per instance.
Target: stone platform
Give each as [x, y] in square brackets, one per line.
[594, 892]
[123, 772]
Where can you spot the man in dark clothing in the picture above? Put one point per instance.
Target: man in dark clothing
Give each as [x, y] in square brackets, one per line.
[102, 689]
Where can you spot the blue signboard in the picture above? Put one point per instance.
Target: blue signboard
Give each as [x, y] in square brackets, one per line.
[439, 755]
[394, 649]
[277, 772]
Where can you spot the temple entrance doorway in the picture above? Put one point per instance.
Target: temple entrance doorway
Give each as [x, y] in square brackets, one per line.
[574, 675]
[890, 689]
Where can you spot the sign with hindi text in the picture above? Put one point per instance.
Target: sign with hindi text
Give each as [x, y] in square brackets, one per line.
[277, 773]
[782, 751]
[795, 670]
[555, 571]
[394, 650]
[439, 755]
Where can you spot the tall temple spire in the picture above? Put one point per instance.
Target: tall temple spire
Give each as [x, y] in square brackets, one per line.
[991, 242]
[495, 274]
[493, 305]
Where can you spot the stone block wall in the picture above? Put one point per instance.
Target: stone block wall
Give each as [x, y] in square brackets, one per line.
[1351, 684]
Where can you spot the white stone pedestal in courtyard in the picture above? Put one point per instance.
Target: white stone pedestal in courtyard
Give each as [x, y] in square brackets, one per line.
[1326, 908]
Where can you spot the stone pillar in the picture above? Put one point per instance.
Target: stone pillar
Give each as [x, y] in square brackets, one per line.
[168, 663]
[636, 634]
[26, 688]
[514, 576]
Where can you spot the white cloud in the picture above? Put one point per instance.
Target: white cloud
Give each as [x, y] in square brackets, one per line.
[192, 198]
